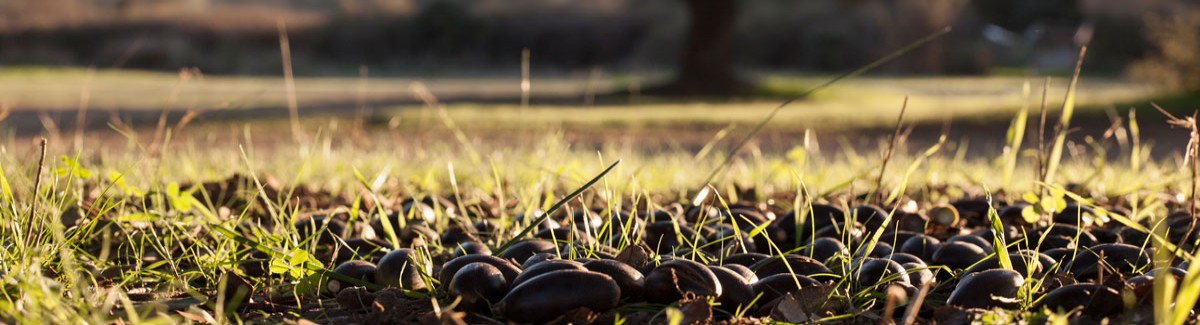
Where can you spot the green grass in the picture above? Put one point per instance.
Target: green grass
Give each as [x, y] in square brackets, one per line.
[863, 102]
[51, 274]
[529, 173]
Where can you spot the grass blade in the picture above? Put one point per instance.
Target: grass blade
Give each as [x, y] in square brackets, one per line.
[1068, 109]
[1016, 134]
[533, 225]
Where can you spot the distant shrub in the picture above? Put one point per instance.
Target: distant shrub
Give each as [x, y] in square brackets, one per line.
[1174, 58]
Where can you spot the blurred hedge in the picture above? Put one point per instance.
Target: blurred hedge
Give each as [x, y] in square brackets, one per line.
[226, 36]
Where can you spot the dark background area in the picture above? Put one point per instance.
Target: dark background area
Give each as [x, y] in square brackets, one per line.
[428, 36]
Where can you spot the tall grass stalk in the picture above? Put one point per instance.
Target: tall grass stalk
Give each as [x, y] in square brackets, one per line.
[887, 153]
[1135, 151]
[289, 83]
[1015, 135]
[1064, 123]
[85, 97]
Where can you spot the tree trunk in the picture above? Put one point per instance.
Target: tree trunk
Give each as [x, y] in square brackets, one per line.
[706, 65]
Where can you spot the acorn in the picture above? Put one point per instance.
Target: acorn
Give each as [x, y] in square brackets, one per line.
[880, 250]
[538, 258]
[922, 246]
[987, 289]
[1095, 299]
[824, 248]
[671, 212]
[416, 235]
[898, 237]
[479, 285]
[1021, 262]
[1074, 214]
[486, 228]
[358, 248]
[237, 292]
[546, 267]
[854, 233]
[330, 229]
[524, 249]
[524, 219]
[1143, 285]
[256, 263]
[1118, 258]
[587, 220]
[744, 271]
[403, 268]
[727, 241]
[631, 282]
[872, 271]
[361, 270]
[578, 250]
[1085, 238]
[944, 215]
[549, 296]
[791, 263]
[458, 233]
[910, 221]
[919, 274]
[871, 216]
[973, 211]
[1055, 242]
[1133, 236]
[958, 255]
[985, 244]
[416, 211]
[451, 267]
[565, 235]
[663, 237]
[1064, 256]
[736, 292]
[744, 259]
[746, 218]
[1106, 236]
[623, 229]
[471, 248]
[772, 287]
[815, 216]
[1013, 214]
[906, 258]
[667, 282]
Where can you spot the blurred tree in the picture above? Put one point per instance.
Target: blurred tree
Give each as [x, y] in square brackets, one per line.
[706, 64]
[1174, 59]
[1019, 15]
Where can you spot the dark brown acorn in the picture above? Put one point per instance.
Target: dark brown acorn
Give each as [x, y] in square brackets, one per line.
[1095, 299]
[667, 282]
[736, 292]
[471, 248]
[546, 267]
[549, 296]
[479, 285]
[522, 250]
[361, 270]
[403, 268]
[631, 282]
[451, 267]
[987, 289]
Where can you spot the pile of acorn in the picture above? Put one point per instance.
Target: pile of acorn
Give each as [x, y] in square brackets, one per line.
[944, 252]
